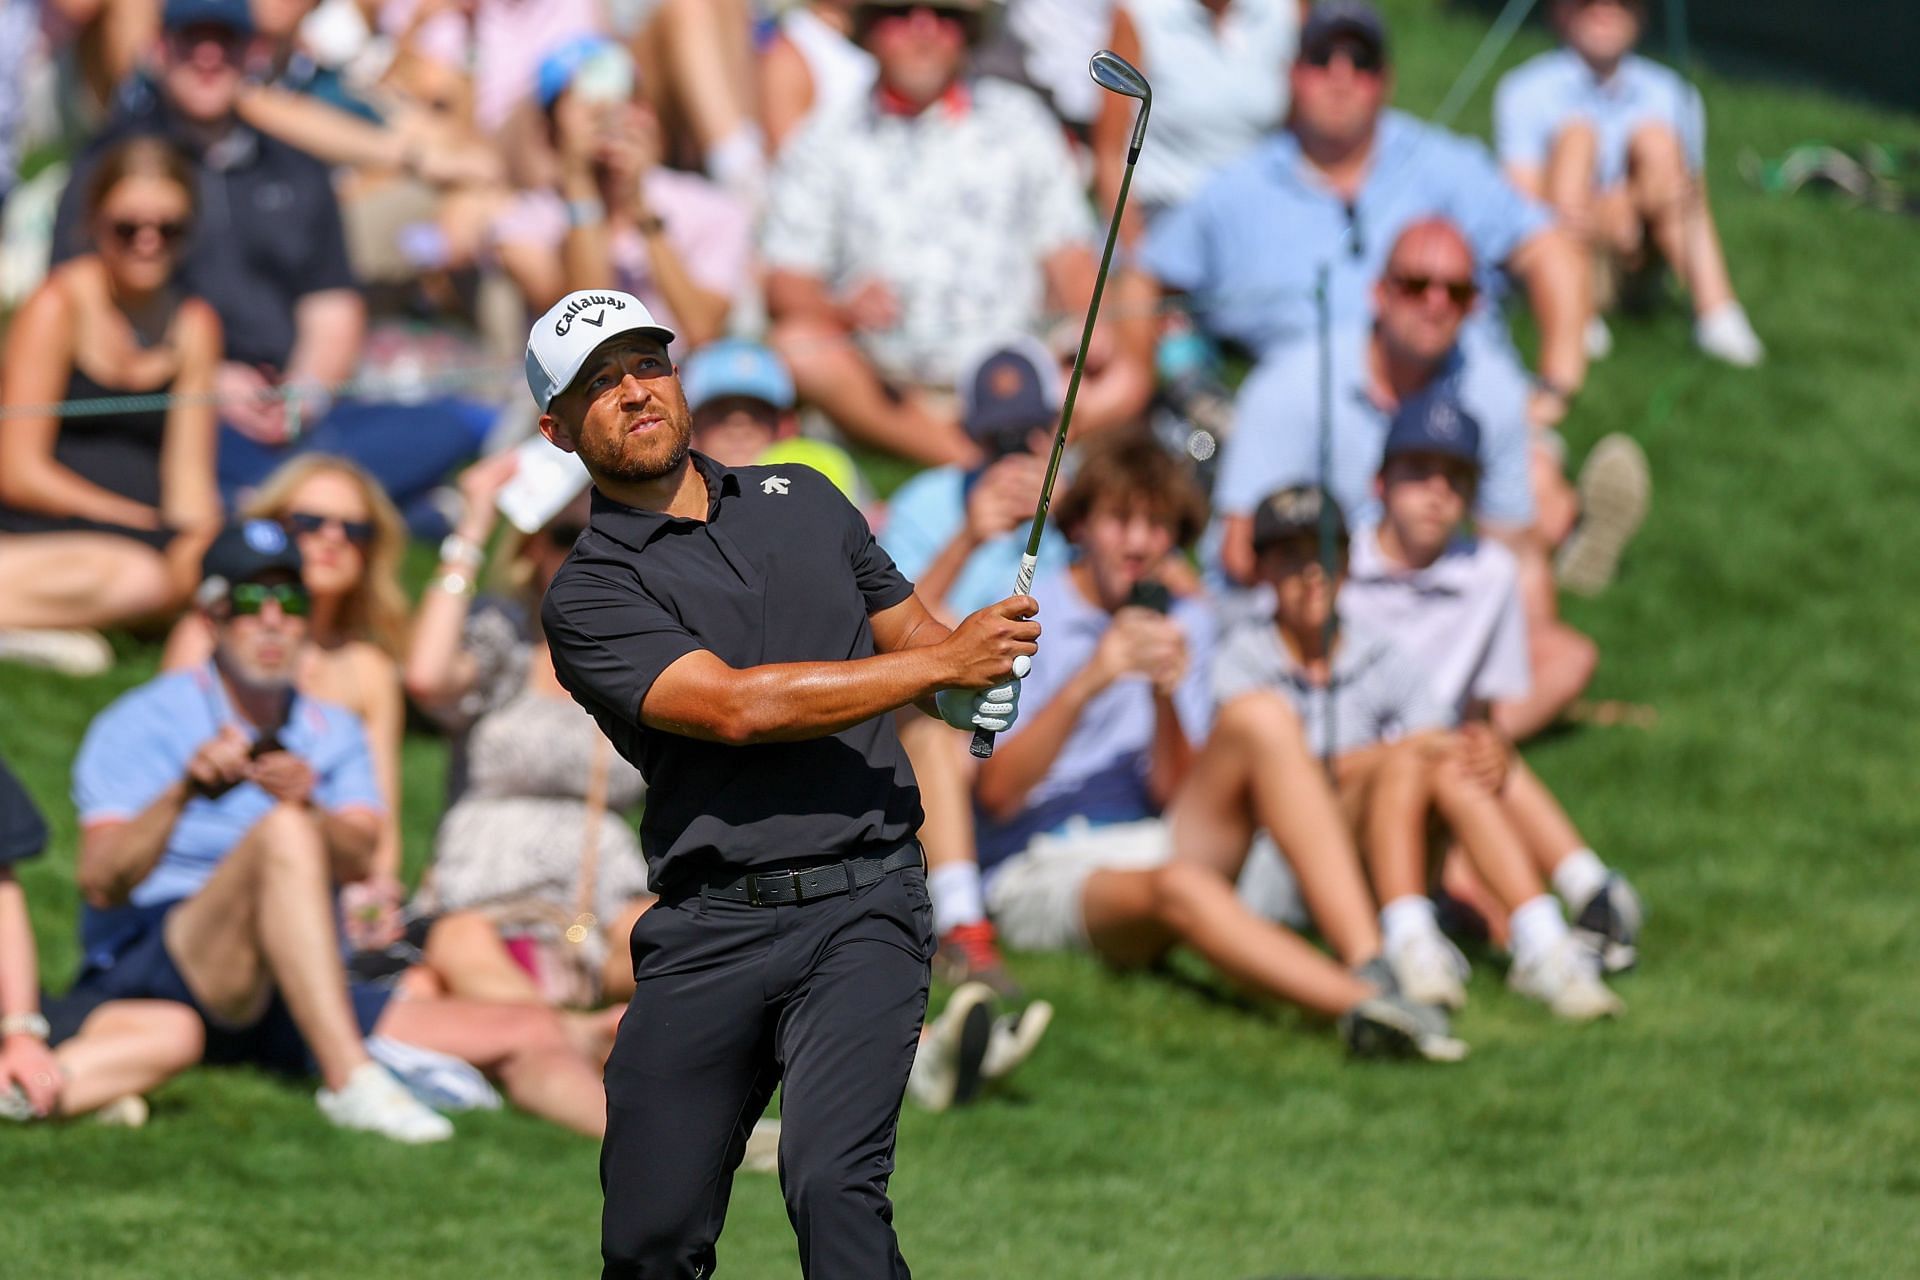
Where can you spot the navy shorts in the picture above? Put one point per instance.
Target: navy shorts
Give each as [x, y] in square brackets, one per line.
[142, 969]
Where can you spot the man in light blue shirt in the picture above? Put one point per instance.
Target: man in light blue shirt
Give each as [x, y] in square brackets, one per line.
[1337, 188]
[1615, 144]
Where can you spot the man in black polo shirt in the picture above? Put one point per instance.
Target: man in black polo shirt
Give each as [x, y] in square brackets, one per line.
[741, 637]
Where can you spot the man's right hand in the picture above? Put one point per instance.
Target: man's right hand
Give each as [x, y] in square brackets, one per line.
[1005, 496]
[222, 761]
[982, 649]
[240, 389]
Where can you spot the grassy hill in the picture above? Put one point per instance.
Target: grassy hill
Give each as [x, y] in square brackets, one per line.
[1752, 1115]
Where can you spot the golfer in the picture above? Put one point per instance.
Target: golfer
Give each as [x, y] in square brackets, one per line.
[741, 637]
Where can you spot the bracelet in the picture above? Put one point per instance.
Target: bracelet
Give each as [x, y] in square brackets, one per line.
[453, 582]
[25, 1024]
[461, 552]
[586, 213]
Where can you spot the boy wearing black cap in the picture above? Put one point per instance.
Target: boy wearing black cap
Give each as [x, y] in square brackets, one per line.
[1370, 710]
[1453, 600]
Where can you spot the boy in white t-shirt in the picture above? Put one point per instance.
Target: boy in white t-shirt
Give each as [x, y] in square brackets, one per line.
[1370, 709]
[1451, 600]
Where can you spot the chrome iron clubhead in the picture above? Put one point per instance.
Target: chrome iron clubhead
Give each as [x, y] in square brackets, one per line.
[1116, 75]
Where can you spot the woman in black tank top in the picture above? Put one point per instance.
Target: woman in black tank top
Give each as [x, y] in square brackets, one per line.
[105, 507]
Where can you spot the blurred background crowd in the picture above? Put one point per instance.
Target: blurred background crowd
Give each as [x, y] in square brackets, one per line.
[270, 276]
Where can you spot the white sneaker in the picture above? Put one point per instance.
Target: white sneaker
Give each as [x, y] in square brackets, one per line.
[127, 1112]
[763, 1147]
[1599, 339]
[1566, 978]
[373, 1100]
[1014, 1038]
[443, 1082]
[1726, 334]
[946, 1065]
[76, 652]
[1615, 486]
[1429, 970]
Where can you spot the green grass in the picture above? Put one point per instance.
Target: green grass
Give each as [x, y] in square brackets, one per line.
[1751, 1116]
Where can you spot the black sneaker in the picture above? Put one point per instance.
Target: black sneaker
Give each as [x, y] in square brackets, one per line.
[1610, 923]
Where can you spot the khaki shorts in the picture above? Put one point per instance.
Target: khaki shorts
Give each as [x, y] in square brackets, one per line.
[1035, 896]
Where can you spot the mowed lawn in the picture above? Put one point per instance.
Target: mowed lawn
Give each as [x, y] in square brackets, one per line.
[1753, 1115]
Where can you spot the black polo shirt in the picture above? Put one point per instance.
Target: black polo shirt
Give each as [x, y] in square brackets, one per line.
[268, 230]
[783, 569]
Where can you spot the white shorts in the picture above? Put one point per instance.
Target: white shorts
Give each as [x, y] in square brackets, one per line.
[1034, 897]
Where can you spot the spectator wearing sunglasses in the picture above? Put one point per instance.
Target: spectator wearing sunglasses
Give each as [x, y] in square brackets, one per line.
[103, 513]
[1414, 345]
[351, 542]
[1335, 189]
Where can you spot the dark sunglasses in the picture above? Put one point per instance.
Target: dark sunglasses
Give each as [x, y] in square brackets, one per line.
[358, 532]
[128, 230]
[869, 16]
[1460, 293]
[248, 598]
[1365, 57]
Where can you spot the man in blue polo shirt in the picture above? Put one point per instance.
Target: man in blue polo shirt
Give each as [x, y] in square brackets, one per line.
[1337, 187]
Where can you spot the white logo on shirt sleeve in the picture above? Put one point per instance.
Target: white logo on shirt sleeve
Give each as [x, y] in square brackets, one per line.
[774, 484]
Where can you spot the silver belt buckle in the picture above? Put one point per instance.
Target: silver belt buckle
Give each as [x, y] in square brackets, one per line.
[753, 887]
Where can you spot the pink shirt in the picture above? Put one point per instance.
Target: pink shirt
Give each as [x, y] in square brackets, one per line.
[500, 48]
[710, 230]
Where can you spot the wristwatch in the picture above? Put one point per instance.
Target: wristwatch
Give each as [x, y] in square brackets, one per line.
[25, 1024]
[463, 553]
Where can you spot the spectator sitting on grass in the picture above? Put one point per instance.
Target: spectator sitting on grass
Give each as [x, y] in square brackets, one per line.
[618, 217]
[351, 543]
[1615, 143]
[1072, 842]
[1369, 708]
[1413, 349]
[133, 1045]
[1452, 600]
[218, 807]
[103, 515]
[269, 253]
[939, 213]
[1337, 188]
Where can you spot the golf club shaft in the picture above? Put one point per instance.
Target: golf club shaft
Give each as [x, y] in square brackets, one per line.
[982, 746]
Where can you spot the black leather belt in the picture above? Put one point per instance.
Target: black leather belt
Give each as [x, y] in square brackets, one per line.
[805, 884]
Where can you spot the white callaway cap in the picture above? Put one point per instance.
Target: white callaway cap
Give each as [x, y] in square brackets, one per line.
[563, 338]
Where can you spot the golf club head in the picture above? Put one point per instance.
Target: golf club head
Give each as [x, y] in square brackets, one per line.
[1116, 75]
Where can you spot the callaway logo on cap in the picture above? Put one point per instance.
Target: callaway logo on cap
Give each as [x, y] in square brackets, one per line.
[563, 338]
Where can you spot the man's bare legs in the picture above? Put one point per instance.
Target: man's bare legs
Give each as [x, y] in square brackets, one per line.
[264, 920]
[1256, 770]
[1134, 917]
[523, 1046]
[830, 373]
[127, 1047]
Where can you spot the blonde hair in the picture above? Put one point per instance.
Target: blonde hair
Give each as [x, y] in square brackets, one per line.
[376, 610]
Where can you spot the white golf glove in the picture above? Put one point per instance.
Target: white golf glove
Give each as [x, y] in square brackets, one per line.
[993, 709]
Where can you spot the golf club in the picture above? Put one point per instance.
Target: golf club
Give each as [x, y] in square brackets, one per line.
[1116, 75]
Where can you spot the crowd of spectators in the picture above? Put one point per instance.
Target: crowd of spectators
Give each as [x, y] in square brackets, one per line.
[1291, 648]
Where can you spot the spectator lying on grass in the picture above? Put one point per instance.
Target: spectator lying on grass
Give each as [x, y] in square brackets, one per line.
[1073, 843]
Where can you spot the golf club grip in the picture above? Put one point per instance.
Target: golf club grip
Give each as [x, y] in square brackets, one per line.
[981, 748]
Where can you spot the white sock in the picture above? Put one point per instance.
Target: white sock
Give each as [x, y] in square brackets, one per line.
[957, 900]
[1404, 917]
[1537, 927]
[1579, 876]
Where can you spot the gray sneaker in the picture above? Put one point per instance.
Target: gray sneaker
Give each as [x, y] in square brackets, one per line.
[1396, 1027]
[1615, 484]
[1610, 923]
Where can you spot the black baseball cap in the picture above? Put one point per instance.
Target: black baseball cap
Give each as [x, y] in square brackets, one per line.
[244, 551]
[1433, 422]
[234, 15]
[1296, 512]
[1332, 20]
[1010, 390]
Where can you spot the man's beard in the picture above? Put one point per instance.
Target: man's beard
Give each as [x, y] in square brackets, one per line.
[613, 461]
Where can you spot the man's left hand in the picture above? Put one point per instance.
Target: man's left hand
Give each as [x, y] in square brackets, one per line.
[993, 709]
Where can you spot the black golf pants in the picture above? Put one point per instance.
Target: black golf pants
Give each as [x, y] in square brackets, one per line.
[825, 997]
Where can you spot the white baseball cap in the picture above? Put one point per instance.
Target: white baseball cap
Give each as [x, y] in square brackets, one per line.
[573, 327]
